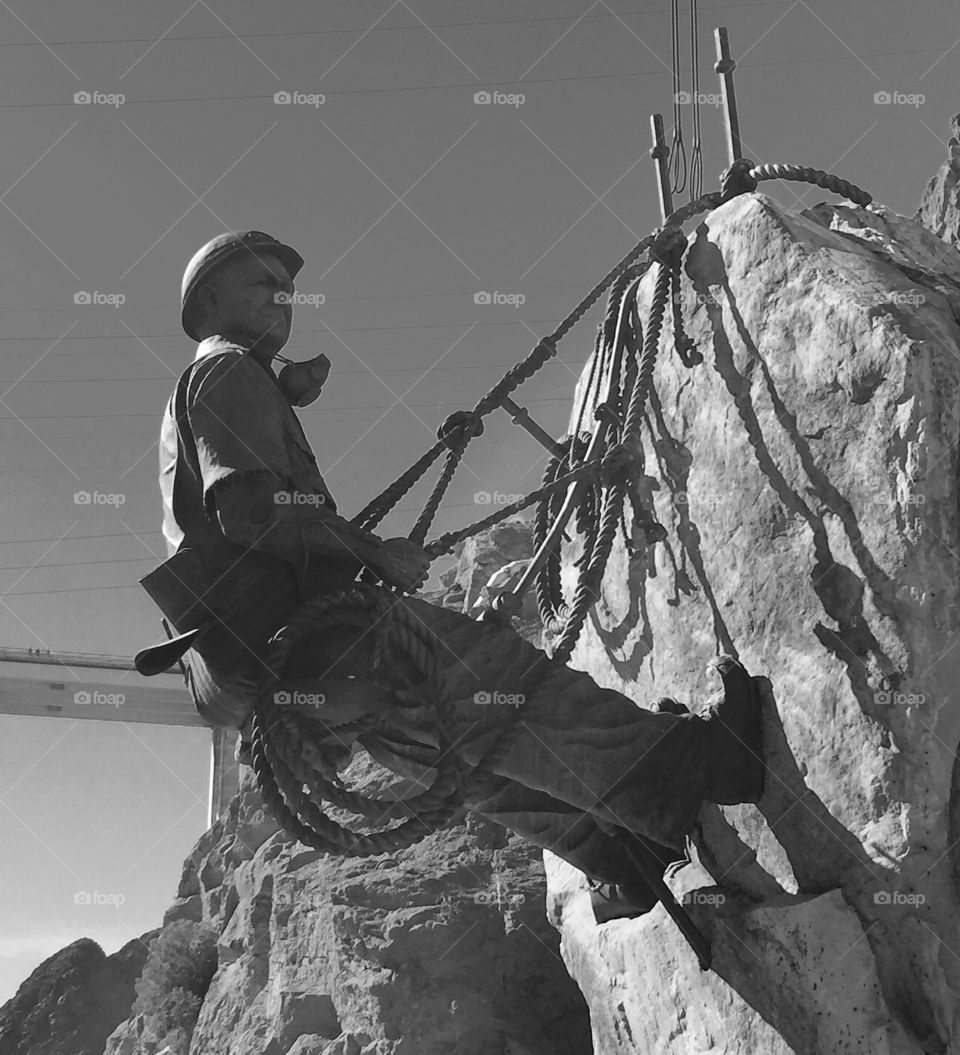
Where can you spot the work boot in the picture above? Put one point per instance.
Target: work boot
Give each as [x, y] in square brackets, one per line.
[737, 724]
[620, 900]
[668, 705]
[632, 896]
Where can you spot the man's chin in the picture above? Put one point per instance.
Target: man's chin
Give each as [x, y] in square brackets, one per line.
[270, 342]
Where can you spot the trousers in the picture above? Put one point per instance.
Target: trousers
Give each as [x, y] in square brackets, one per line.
[577, 766]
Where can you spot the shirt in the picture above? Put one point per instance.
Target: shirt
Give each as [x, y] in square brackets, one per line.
[236, 422]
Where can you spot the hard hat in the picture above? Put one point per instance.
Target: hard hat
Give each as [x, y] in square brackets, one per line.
[219, 249]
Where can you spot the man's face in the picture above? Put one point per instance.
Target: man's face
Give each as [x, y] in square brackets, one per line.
[242, 300]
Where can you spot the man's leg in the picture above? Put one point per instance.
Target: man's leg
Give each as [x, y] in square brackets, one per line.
[564, 736]
[564, 830]
[594, 748]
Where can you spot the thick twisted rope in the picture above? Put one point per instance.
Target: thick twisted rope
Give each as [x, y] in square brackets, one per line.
[283, 769]
[671, 243]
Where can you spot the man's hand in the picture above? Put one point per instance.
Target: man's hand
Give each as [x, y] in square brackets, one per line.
[403, 563]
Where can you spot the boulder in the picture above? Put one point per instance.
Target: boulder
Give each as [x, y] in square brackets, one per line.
[442, 947]
[807, 477]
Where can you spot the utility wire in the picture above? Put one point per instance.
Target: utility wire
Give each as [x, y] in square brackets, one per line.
[677, 161]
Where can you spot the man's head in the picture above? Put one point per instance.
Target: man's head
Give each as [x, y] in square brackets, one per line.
[240, 286]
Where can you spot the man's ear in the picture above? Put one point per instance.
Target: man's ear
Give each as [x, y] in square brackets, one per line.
[205, 302]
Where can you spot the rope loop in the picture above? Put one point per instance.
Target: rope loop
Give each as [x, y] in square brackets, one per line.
[737, 179]
[668, 246]
[622, 462]
[289, 749]
[459, 429]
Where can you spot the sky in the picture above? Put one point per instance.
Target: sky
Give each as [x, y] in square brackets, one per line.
[134, 131]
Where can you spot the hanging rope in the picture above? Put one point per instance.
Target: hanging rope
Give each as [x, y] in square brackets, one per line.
[678, 155]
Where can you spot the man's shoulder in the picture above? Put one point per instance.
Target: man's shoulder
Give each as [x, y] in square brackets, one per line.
[224, 371]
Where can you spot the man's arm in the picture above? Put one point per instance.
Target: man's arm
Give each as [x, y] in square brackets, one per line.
[249, 513]
[244, 460]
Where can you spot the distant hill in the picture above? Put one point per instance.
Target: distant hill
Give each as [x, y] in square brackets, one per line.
[74, 1000]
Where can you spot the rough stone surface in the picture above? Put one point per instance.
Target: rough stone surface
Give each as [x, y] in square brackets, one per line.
[71, 1003]
[806, 473]
[443, 947]
[940, 205]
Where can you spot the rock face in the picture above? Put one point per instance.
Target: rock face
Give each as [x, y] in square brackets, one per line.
[807, 477]
[443, 947]
[73, 1000]
[940, 205]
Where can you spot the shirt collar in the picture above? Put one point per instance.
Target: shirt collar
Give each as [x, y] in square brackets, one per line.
[216, 343]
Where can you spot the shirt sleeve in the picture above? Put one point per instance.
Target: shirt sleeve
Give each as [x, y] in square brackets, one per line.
[236, 421]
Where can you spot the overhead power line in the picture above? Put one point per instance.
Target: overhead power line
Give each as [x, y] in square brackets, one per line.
[365, 30]
[577, 78]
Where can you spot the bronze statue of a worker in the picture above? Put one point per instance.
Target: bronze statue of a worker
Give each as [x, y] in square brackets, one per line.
[242, 492]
